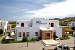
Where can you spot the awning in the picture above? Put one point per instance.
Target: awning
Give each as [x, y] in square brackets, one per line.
[69, 30]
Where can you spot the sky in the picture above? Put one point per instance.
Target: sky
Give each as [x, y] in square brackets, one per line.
[12, 10]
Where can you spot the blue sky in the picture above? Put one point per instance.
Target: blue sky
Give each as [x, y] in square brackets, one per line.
[27, 9]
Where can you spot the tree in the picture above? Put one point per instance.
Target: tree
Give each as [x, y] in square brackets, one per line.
[13, 25]
[12, 22]
[63, 23]
[24, 39]
[1, 31]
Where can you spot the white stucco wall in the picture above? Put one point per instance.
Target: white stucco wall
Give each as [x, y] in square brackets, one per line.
[56, 23]
[58, 31]
[4, 26]
[30, 30]
[70, 24]
[22, 21]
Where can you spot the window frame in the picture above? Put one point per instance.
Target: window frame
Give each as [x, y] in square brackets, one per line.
[23, 33]
[27, 34]
[36, 33]
[19, 35]
[52, 24]
[22, 24]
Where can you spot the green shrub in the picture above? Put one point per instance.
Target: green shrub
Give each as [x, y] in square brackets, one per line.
[68, 37]
[54, 36]
[30, 40]
[61, 38]
[13, 25]
[4, 41]
[33, 39]
[24, 39]
[1, 31]
[15, 41]
[65, 37]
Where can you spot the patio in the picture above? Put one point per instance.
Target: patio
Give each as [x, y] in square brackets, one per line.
[69, 43]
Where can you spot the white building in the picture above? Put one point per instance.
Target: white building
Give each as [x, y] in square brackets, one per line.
[3, 25]
[37, 27]
[71, 24]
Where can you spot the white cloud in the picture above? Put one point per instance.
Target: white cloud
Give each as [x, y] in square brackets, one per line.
[61, 9]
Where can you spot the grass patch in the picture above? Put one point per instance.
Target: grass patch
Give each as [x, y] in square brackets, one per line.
[1, 35]
[14, 41]
[4, 41]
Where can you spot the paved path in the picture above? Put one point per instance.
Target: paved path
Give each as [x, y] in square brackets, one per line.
[70, 41]
[22, 46]
[32, 46]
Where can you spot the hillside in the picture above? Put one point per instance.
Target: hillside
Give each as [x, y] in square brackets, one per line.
[64, 21]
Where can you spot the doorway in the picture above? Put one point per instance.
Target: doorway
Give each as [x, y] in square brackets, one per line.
[47, 35]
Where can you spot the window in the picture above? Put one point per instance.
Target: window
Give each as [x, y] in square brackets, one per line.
[36, 33]
[23, 33]
[22, 24]
[69, 23]
[54, 33]
[19, 34]
[17, 23]
[27, 34]
[49, 23]
[52, 24]
[72, 24]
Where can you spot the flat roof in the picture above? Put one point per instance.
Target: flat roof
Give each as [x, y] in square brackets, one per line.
[63, 26]
[23, 20]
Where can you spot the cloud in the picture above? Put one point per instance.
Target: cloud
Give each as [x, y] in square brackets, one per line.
[21, 9]
[60, 9]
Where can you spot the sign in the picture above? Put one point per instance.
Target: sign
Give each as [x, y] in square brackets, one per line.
[39, 22]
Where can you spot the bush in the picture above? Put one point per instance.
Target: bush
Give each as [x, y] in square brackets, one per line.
[65, 37]
[1, 31]
[13, 25]
[13, 41]
[39, 38]
[4, 41]
[54, 36]
[61, 38]
[24, 39]
[30, 40]
[33, 39]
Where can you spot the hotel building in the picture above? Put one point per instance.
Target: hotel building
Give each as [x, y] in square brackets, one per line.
[37, 27]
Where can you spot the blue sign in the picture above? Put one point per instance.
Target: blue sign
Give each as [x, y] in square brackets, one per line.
[39, 22]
